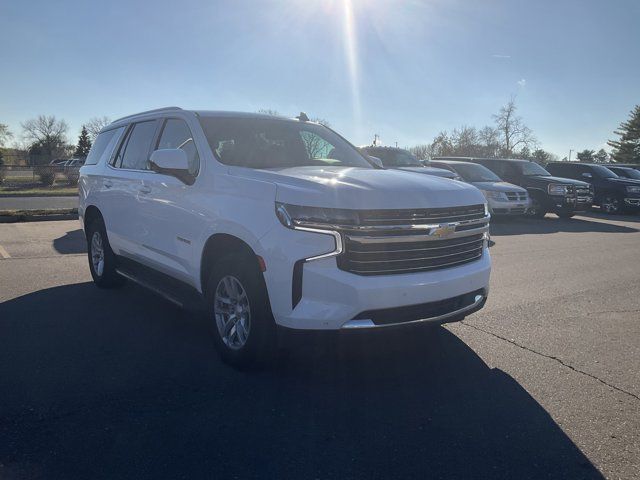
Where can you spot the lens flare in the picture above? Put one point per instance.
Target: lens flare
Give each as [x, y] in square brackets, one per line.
[351, 55]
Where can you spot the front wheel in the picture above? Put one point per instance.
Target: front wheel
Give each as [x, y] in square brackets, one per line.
[610, 204]
[536, 210]
[566, 214]
[239, 313]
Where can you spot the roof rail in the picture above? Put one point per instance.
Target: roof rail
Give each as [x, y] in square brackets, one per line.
[155, 110]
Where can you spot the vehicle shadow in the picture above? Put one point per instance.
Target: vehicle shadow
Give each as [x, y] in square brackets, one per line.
[597, 214]
[115, 384]
[551, 224]
[72, 242]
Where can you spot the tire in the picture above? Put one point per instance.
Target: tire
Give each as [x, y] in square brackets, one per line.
[536, 210]
[565, 215]
[610, 204]
[238, 312]
[102, 260]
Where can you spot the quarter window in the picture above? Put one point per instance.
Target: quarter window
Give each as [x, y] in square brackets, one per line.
[103, 146]
[176, 134]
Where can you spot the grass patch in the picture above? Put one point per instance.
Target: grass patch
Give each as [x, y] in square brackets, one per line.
[30, 188]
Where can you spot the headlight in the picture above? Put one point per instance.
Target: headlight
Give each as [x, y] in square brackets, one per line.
[292, 216]
[633, 189]
[499, 196]
[556, 189]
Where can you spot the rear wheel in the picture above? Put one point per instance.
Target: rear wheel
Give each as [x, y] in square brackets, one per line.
[239, 313]
[102, 260]
[610, 204]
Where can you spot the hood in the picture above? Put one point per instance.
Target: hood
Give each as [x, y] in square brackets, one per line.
[552, 179]
[438, 172]
[498, 187]
[363, 188]
[624, 181]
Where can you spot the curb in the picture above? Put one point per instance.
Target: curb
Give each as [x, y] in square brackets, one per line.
[15, 216]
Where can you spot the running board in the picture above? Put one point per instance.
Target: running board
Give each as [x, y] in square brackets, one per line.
[175, 291]
[150, 287]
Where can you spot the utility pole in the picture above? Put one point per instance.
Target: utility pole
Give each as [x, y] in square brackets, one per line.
[396, 144]
[376, 139]
[570, 154]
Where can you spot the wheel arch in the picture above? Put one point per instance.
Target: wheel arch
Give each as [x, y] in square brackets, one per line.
[219, 245]
[91, 213]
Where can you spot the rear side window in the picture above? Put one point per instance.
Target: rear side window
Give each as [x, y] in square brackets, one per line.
[176, 134]
[134, 151]
[103, 146]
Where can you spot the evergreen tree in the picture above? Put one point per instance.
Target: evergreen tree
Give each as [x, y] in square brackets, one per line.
[627, 149]
[84, 144]
[586, 156]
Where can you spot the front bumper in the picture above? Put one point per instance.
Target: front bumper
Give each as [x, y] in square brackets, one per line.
[497, 208]
[332, 298]
[573, 203]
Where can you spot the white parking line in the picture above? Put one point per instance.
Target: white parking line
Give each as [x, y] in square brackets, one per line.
[4, 253]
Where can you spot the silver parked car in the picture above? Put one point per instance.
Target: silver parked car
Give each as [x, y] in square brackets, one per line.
[503, 198]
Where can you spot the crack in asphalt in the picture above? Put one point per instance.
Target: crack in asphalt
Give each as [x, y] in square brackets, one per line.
[635, 310]
[551, 357]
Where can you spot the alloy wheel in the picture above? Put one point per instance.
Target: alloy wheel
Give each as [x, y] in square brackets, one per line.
[232, 312]
[610, 205]
[97, 253]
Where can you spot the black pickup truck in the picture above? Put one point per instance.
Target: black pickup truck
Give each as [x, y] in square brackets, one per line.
[611, 192]
[562, 196]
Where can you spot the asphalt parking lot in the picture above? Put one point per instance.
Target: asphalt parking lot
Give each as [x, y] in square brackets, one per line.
[542, 383]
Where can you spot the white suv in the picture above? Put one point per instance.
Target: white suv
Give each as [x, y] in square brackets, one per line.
[277, 222]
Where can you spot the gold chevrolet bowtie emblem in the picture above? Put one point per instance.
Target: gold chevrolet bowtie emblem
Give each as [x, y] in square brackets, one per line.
[442, 231]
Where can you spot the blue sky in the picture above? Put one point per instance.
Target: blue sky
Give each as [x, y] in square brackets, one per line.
[405, 69]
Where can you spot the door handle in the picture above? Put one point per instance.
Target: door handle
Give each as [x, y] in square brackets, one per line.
[145, 189]
[108, 184]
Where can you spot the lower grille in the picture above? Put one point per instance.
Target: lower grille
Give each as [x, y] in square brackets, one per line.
[422, 311]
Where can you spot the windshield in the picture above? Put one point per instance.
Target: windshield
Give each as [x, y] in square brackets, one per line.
[532, 168]
[626, 172]
[603, 172]
[476, 173]
[269, 143]
[395, 158]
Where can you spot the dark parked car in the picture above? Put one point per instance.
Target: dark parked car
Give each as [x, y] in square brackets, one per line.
[612, 193]
[625, 172]
[562, 196]
[400, 159]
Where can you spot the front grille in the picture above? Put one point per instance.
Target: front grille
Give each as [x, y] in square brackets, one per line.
[405, 241]
[517, 196]
[421, 216]
[578, 190]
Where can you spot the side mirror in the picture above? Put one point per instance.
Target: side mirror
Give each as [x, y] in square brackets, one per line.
[587, 175]
[171, 161]
[376, 161]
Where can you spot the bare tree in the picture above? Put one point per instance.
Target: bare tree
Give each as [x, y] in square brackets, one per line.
[321, 121]
[465, 141]
[514, 133]
[489, 140]
[46, 135]
[421, 152]
[95, 124]
[5, 134]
